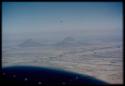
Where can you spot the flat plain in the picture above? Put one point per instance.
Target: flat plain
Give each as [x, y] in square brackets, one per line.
[100, 60]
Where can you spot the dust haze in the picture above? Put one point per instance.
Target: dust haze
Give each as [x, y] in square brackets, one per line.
[81, 37]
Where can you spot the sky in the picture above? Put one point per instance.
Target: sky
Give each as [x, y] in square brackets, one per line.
[59, 19]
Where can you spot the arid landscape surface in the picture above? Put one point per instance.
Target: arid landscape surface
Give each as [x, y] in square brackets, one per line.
[101, 60]
[83, 37]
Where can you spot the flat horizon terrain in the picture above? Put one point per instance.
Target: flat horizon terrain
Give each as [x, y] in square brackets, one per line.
[101, 60]
[83, 37]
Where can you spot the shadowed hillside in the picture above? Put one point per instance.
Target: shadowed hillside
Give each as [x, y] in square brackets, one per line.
[30, 43]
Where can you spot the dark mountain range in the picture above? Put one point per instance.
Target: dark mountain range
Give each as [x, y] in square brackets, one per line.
[30, 43]
[68, 41]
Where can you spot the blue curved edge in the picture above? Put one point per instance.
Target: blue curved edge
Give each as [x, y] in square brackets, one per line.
[31, 75]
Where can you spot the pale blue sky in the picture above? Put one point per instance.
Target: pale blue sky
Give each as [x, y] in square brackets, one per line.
[61, 18]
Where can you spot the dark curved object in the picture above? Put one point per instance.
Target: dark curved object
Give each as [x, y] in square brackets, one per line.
[30, 75]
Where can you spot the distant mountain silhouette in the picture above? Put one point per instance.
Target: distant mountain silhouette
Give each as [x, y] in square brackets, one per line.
[30, 43]
[68, 41]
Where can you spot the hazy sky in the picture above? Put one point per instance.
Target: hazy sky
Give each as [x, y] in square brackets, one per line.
[44, 19]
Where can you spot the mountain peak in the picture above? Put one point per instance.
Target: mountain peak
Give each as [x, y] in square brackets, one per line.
[30, 43]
